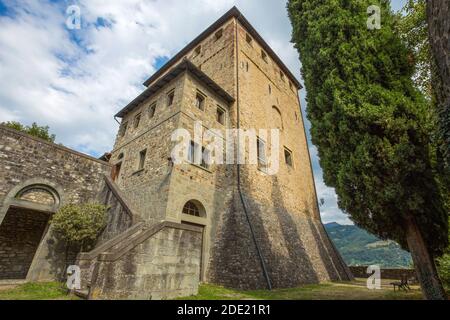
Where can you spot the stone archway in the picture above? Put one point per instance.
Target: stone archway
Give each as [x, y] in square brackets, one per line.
[24, 220]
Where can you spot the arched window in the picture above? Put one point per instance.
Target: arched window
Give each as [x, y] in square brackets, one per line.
[191, 209]
[37, 193]
[276, 116]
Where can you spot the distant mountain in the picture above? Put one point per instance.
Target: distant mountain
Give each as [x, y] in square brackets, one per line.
[358, 247]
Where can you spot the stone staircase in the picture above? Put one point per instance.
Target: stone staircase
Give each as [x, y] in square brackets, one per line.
[110, 252]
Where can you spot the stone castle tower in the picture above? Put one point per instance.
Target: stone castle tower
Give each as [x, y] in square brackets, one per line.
[257, 228]
[171, 224]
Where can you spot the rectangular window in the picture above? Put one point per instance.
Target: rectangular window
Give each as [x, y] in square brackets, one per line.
[123, 129]
[194, 148]
[137, 120]
[261, 149]
[205, 158]
[170, 98]
[218, 34]
[191, 152]
[142, 156]
[152, 110]
[288, 156]
[221, 114]
[248, 39]
[200, 101]
[264, 56]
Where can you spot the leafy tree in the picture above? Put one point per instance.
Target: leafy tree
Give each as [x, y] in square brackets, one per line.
[79, 225]
[369, 124]
[439, 33]
[413, 29]
[34, 130]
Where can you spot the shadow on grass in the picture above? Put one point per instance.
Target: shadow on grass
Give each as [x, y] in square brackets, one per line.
[323, 291]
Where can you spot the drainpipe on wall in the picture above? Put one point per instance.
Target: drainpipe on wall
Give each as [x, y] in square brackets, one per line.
[244, 205]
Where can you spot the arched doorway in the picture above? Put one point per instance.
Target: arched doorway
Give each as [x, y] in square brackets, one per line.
[23, 226]
[194, 213]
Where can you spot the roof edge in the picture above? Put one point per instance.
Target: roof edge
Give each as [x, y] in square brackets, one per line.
[184, 66]
[232, 13]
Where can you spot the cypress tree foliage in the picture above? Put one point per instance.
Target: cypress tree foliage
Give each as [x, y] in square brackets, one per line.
[369, 125]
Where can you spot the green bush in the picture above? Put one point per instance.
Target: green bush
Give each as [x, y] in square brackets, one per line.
[443, 264]
[444, 269]
[34, 130]
[80, 224]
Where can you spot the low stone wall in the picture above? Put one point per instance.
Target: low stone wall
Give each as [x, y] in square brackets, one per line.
[163, 266]
[361, 272]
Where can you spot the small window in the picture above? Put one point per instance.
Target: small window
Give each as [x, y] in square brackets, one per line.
[205, 155]
[123, 129]
[218, 34]
[270, 89]
[281, 75]
[246, 66]
[142, 156]
[264, 56]
[197, 51]
[191, 209]
[261, 150]
[220, 115]
[170, 98]
[120, 157]
[288, 156]
[248, 39]
[206, 159]
[137, 120]
[152, 110]
[200, 101]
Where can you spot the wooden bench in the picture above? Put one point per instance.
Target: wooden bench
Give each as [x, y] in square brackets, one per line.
[402, 284]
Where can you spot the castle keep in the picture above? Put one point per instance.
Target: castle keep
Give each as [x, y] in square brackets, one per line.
[172, 225]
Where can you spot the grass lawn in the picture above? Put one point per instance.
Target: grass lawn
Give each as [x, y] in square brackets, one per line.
[36, 291]
[355, 290]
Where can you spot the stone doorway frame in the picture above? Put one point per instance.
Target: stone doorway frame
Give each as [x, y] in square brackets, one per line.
[11, 200]
[202, 222]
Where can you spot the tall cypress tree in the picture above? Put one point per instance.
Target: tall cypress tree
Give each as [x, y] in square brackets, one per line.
[368, 123]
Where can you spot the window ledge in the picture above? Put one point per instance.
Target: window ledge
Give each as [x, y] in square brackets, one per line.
[200, 167]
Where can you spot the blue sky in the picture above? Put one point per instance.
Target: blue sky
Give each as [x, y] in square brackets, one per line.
[75, 80]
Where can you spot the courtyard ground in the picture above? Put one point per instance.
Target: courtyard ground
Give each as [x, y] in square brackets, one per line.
[355, 290]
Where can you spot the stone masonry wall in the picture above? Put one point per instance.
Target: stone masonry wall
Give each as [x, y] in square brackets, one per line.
[26, 160]
[147, 189]
[283, 207]
[23, 157]
[164, 266]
